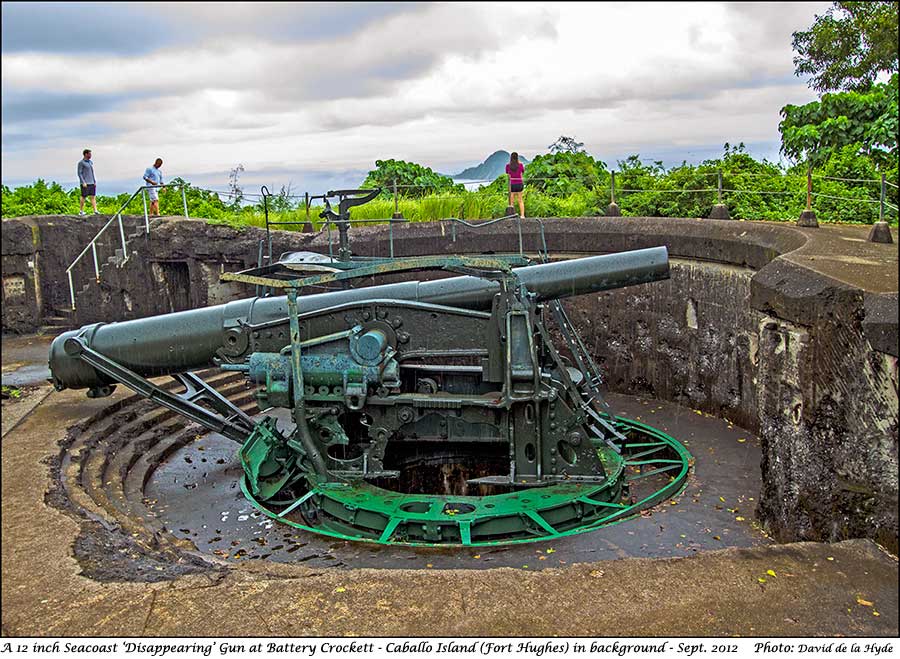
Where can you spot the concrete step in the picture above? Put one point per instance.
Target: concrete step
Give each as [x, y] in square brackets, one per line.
[59, 321]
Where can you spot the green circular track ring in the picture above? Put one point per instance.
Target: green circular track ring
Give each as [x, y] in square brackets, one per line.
[363, 513]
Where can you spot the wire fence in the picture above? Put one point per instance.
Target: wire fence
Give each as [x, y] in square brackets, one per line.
[834, 198]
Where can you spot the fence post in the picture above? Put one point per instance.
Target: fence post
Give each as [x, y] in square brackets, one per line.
[397, 214]
[808, 217]
[184, 201]
[719, 210]
[307, 226]
[880, 231]
[510, 211]
[613, 209]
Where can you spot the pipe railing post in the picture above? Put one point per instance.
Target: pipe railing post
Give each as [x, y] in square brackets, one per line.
[808, 217]
[184, 201]
[71, 288]
[122, 236]
[613, 209]
[391, 236]
[96, 265]
[146, 216]
[519, 226]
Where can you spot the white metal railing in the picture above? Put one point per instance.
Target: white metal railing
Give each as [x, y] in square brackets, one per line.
[117, 216]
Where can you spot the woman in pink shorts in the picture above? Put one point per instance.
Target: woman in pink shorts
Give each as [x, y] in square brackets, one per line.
[515, 170]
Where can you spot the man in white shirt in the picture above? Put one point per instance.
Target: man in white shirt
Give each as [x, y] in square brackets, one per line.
[153, 177]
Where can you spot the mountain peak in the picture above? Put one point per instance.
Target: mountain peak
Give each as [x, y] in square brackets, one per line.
[492, 167]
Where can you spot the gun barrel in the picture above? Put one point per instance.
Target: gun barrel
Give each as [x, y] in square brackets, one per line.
[188, 340]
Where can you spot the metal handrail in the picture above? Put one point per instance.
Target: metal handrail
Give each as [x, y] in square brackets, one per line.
[118, 216]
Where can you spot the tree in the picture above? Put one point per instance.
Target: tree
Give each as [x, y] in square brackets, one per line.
[413, 180]
[564, 172]
[813, 132]
[566, 145]
[846, 48]
[237, 193]
[281, 202]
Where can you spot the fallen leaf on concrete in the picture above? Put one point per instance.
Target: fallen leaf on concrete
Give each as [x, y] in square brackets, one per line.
[340, 589]
[597, 573]
[860, 600]
[771, 573]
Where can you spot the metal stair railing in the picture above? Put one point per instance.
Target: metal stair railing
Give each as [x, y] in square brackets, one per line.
[117, 216]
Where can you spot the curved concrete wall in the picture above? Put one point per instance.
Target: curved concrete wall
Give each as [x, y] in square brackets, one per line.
[791, 333]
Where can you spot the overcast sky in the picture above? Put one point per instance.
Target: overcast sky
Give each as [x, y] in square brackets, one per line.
[311, 94]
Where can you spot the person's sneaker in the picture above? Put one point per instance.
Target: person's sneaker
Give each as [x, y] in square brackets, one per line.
[81, 213]
[96, 212]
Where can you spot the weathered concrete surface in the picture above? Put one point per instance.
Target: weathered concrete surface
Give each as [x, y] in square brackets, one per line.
[817, 590]
[22, 305]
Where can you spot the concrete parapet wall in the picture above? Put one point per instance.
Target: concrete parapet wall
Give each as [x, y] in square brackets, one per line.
[788, 332]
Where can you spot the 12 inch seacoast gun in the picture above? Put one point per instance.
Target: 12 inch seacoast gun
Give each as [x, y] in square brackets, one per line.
[421, 412]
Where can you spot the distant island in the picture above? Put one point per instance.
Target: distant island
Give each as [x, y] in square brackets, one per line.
[491, 168]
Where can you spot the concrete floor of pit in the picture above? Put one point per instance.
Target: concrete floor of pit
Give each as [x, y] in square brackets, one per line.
[195, 494]
[841, 589]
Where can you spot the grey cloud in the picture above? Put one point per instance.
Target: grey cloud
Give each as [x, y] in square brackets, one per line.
[383, 57]
[21, 107]
[391, 44]
[640, 89]
[370, 79]
[131, 28]
[83, 27]
[38, 134]
[764, 28]
[298, 21]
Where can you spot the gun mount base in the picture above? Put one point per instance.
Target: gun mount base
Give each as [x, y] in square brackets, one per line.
[652, 467]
